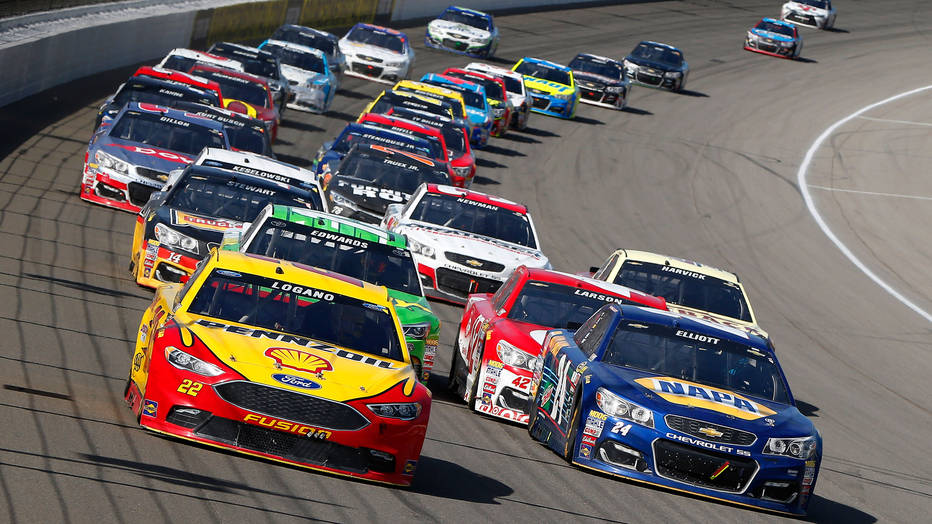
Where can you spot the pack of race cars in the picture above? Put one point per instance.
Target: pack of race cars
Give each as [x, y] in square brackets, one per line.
[291, 319]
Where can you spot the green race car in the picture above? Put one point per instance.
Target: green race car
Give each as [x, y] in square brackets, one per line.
[354, 249]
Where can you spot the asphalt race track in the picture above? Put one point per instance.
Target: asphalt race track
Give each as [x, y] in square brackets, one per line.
[710, 175]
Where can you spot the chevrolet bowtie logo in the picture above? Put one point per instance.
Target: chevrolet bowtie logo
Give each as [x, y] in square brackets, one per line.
[474, 263]
[711, 432]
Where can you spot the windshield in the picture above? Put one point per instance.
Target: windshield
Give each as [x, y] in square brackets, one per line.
[229, 199]
[466, 18]
[299, 310]
[391, 172]
[161, 95]
[557, 306]
[378, 38]
[544, 72]
[493, 89]
[357, 136]
[475, 217]
[453, 135]
[389, 100]
[253, 62]
[248, 138]
[707, 360]
[436, 147]
[658, 53]
[233, 88]
[821, 4]
[299, 59]
[297, 36]
[513, 85]
[372, 262]
[166, 132]
[598, 67]
[780, 29]
[470, 98]
[686, 288]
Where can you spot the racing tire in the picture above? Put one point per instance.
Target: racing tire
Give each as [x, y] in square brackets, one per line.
[453, 379]
[474, 390]
[569, 446]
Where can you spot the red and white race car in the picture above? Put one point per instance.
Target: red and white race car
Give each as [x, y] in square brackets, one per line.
[500, 335]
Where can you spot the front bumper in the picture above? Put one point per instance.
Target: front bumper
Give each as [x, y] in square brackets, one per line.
[656, 456]
[458, 46]
[156, 264]
[310, 99]
[805, 19]
[200, 409]
[453, 285]
[375, 69]
[774, 49]
[653, 78]
[503, 391]
[124, 192]
[552, 106]
[603, 98]
[458, 180]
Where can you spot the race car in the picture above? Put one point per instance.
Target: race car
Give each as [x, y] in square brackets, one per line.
[332, 152]
[653, 64]
[260, 166]
[315, 39]
[313, 83]
[178, 227]
[356, 250]
[182, 59]
[244, 133]
[814, 13]
[775, 38]
[155, 91]
[602, 81]
[377, 53]
[186, 78]
[495, 95]
[690, 288]
[260, 63]
[500, 335]
[464, 241]
[456, 137]
[514, 88]
[244, 93]
[438, 149]
[129, 160]
[248, 357]
[478, 111]
[371, 177]
[552, 88]
[675, 402]
[411, 99]
[454, 99]
[465, 31]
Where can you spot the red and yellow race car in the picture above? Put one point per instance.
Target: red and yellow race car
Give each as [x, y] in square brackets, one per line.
[500, 336]
[281, 361]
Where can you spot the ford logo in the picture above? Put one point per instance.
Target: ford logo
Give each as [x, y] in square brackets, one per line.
[298, 382]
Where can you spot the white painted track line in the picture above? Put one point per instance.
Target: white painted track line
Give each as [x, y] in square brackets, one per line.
[807, 197]
[871, 193]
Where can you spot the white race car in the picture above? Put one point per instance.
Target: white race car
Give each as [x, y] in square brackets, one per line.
[313, 83]
[377, 53]
[814, 13]
[515, 89]
[464, 241]
[181, 59]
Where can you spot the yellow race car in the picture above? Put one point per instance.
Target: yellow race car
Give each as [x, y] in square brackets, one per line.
[552, 87]
[282, 361]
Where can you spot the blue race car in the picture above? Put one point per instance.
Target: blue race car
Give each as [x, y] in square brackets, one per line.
[552, 87]
[670, 401]
[478, 110]
[774, 37]
[330, 153]
[465, 31]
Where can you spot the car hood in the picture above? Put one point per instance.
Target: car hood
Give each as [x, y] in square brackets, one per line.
[143, 155]
[367, 194]
[203, 228]
[718, 320]
[771, 35]
[807, 9]
[301, 76]
[322, 369]
[487, 248]
[547, 86]
[668, 395]
[528, 337]
[592, 77]
[412, 309]
[459, 29]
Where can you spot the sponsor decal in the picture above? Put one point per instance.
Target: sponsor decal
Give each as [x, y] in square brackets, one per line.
[545, 396]
[589, 430]
[298, 382]
[353, 242]
[137, 361]
[696, 395]
[486, 398]
[492, 371]
[174, 121]
[299, 360]
[284, 425]
[180, 218]
[585, 450]
[161, 153]
[682, 272]
[505, 413]
[303, 291]
[150, 408]
[586, 439]
[698, 337]
[382, 193]
[708, 445]
[597, 415]
[720, 470]
[409, 468]
[252, 188]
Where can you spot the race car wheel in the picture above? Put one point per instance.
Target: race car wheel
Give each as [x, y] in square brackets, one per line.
[569, 446]
[453, 381]
[474, 390]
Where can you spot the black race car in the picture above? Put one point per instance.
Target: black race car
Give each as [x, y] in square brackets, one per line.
[653, 64]
[602, 81]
